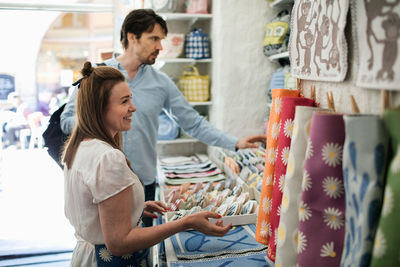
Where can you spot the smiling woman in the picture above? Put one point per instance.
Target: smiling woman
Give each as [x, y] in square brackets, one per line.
[52, 46]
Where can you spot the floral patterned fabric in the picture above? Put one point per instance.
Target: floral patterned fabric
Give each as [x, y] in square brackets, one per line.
[321, 215]
[364, 158]
[263, 229]
[286, 252]
[285, 136]
[106, 259]
[387, 242]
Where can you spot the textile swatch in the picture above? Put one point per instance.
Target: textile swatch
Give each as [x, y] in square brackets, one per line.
[286, 252]
[317, 45]
[195, 245]
[284, 139]
[364, 158]
[263, 230]
[387, 242]
[253, 259]
[376, 43]
[321, 214]
[195, 180]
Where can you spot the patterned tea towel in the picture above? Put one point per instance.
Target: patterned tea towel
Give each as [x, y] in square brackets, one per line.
[195, 245]
[253, 259]
[317, 45]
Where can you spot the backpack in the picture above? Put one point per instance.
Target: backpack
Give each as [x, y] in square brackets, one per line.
[54, 137]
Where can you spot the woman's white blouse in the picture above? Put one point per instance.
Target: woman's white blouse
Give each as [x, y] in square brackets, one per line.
[99, 172]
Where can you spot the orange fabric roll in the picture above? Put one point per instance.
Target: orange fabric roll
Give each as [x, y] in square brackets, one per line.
[263, 229]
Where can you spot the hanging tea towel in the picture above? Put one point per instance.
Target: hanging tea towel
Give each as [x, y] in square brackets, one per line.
[376, 32]
[317, 45]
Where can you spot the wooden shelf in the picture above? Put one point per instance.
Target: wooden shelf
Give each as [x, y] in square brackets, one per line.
[177, 141]
[279, 56]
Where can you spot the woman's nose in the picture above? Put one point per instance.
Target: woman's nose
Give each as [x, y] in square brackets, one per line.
[133, 108]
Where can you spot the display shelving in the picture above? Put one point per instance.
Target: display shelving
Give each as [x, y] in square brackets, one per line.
[184, 60]
[280, 3]
[183, 22]
[279, 56]
[181, 140]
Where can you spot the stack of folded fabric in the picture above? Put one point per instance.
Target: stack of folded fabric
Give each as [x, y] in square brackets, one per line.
[192, 169]
[193, 248]
[248, 164]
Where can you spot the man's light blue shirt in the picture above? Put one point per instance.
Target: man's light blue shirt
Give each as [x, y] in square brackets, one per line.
[152, 90]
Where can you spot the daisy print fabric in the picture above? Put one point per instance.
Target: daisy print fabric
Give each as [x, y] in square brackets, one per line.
[263, 227]
[364, 160]
[322, 205]
[105, 259]
[387, 242]
[283, 149]
[289, 240]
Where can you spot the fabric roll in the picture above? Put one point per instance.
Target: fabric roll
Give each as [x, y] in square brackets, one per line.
[364, 158]
[284, 139]
[321, 214]
[286, 252]
[263, 229]
[386, 250]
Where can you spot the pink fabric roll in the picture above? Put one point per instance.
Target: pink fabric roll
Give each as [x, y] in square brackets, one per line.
[322, 207]
[284, 139]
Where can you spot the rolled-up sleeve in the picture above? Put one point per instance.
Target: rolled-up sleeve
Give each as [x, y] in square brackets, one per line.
[194, 124]
[68, 118]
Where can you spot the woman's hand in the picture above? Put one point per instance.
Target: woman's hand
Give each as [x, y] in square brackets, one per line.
[154, 206]
[250, 141]
[199, 221]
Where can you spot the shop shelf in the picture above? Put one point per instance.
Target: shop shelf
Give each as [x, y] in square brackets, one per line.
[279, 56]
[185, 16]
[184, 60]
[280, 3]
[177, 141]
[207, 103]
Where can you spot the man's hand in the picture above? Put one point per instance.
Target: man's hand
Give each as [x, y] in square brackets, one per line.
[250, 141]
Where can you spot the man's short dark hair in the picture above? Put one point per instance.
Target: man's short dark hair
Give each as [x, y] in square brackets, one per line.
[139, 21]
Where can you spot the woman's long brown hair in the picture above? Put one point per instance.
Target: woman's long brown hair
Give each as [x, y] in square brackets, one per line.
[91, 107]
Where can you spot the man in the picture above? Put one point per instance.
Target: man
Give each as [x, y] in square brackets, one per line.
[152, 90]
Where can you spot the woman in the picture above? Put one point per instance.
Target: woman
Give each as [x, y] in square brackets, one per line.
[104, 199]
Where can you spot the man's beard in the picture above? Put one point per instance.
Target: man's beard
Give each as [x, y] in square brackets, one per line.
[150, 60]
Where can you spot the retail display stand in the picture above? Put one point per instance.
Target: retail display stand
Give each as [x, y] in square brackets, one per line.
[245, 221]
